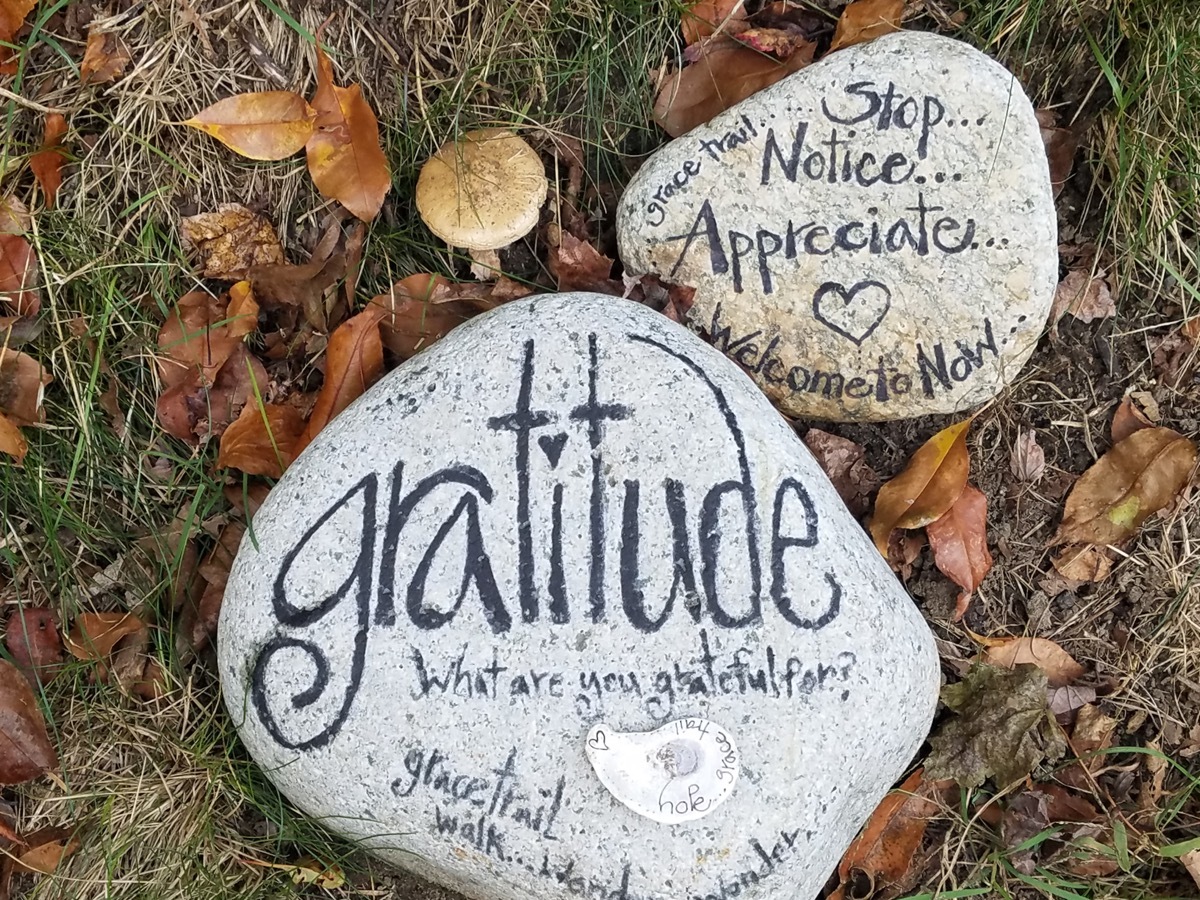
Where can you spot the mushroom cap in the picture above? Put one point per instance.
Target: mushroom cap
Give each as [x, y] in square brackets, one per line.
[483, 191]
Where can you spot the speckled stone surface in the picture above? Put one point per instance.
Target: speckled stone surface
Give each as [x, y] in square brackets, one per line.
[872, 238]
[571, 511]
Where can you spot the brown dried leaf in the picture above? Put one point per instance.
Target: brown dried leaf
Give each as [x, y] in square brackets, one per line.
[781, 42]
[865, 20]
[196, 335]
[25, 748]
[904, 547]
[929, 485]
[1060, 667]
[1083, 562]
[261, 440]
[31, 636]
[265, 125]
[1060, 144]
[353, 362]
[420, 309]
[48, 847]
[47, 163]
[243, 310]
[14, 216]
[22, 379]
[12, 17]
[724, 76]
[958, 540]
[94, 635]
[845, 463]
[705, 17]
[1028, 460]
[345, 159]
[1137, 477]
[18, 277]
[1093, 732]
[1084, 296]
[231, 240]
[1127, 419]
[304, 286]
[578, 266]
[884, 853]
[105, 59]
[12, 441]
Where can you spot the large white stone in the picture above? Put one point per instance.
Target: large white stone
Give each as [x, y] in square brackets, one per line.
[571, 511]
[873, 237]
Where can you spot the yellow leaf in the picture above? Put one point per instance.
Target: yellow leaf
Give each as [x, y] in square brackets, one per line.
[265, 125]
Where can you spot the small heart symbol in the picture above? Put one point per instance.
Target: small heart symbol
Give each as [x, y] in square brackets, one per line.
[552, 446]
[853, 312]
[598, 741]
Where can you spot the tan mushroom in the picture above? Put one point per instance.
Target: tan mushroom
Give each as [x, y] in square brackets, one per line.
[483, 191]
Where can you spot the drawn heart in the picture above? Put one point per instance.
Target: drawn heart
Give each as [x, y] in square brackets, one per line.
[552, 446]
[598, 741]
[854, 312]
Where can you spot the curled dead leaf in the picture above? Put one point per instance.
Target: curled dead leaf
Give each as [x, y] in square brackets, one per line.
[958, 540]
[12, 442]
[726, 74]
[105, 58]
[266, 125]
[1083, 562]
[578, 266]
[94, 635]
[47, 163]
[865, 20]
[1084, 296]
[929, 485]
[230, 240]
[25, 748]
[19, 295]
[1028, 460]
[262, 440]
[704, 18]
[1060, 667]
[1127, 419]
[845, 463]
[1139, 476]
[22, 380]
[31, 636]
[46, 850]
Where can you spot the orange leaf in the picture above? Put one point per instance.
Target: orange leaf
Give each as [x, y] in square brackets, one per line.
[929, 485]
[1127, 419]
[724, 76]
[885, 849]
[1060, 667]
[197, 333]
[958, 540]
[865, 20]
[1137, 477]
[105, 58]
[12, 441]
[345, 159]
[48, 847]
[31, 636]
[47, 163]
[94, 635]
[261, 440]
[18, 275]
[243, 310]
[21, 381]
[704, 17]
[25, 748]
[12, 17]
[231, 240]
[353, 362]
[263, 125]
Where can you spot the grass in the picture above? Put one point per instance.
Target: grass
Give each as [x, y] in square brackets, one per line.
[171, 803]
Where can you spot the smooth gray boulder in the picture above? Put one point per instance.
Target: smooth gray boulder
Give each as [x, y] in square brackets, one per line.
[572, 511]
[872, 238]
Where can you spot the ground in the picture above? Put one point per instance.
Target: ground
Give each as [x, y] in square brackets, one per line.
[171, 805]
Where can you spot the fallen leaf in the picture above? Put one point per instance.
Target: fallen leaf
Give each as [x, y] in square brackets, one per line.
[865, 20]
[303, 286]
[12, 441]
[723, 77]
[705, 17]
[958, 539]
[196, 334]
[105, 58]
[929, 485]
[261, 440]
[231, 240]
[22, 380]
[845, 463]
[1127, 419]
[1060, 144]
[1093, 732]
[18, 276]
[307, 870]
[353, 362]
[12, 17]
[345, 159]
[31, 636]
[1083, 562]
[578, 266]
[883, 854]
[777, 41]
[1137, 477]
[1175, 359]
[1084, 296]
[1028, 460]
[94, 635]
[1035, 810]
[266, 125]
[1060, 667]
[48, 847]
[1064, 701]
[904, 548]
[25, 748]
[14, 216]
[1191, 861]
[242, 311]
[1003, 728]
[195, 409]
[1190, 329]
[215, 572]
[47, 163]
